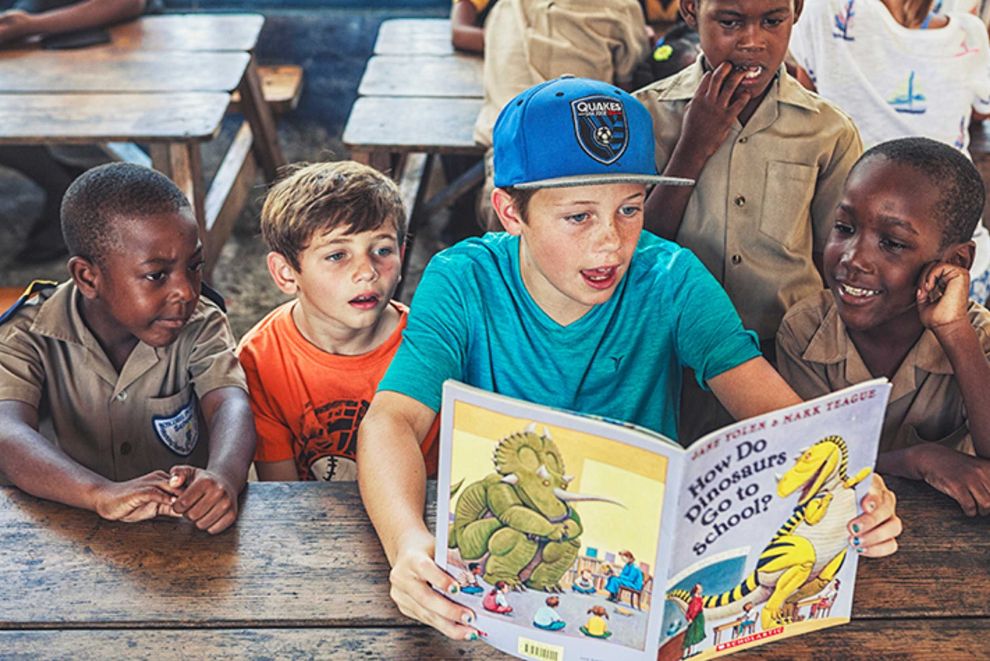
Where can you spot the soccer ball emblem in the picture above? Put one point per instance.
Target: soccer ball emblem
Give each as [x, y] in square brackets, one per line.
[603, 135]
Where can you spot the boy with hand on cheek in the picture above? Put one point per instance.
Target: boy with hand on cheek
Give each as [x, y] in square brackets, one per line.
[573, 306]
[769, 158]
[130, 361]
[336, 233]
[897, 262]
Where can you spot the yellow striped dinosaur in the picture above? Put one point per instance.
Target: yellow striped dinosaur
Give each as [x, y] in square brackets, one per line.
[808, 550]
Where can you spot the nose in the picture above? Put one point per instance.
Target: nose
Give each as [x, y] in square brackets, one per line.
[751, 37]
[607, 238]
[187, 286]
[856, 256]
[365, 269]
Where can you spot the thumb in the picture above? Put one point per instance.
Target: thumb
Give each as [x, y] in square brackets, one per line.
[180, 475]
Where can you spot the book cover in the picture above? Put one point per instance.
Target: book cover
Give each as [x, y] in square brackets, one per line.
[575, 537]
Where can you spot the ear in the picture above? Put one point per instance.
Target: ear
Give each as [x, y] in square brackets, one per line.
[87, 276]
[285, 276]
[960, 254]
[507, 211]
[689, 12]
[798, 8]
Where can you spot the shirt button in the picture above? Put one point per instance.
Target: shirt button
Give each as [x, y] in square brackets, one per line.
[740, 201]
[743, 141]
[737, 259]
[122, 396]
[125, 448]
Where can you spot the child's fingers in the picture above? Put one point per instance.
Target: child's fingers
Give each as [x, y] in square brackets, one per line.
[189, 499]
[881, 549]
[181, 475]
[223, 522]
[214, 514]
[887, 530]
[416, 599]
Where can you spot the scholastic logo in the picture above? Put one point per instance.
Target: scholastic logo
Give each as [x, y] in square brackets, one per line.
[760, 635]
[600, 127]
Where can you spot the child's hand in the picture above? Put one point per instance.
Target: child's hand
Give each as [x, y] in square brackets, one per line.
[139, 499]
[414, 577]
[207, 499]
[714, 108]
[14, 24]
[959, 476]
[943, 295]
[874, 533]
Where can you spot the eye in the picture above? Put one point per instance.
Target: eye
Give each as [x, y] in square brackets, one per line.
[843, 228]
[728, 23]
[157, 276]
[384, 251]
[772, 22]
[630, 210]
[578, 218]
[197, 267]
[893, 245]
[335, 256]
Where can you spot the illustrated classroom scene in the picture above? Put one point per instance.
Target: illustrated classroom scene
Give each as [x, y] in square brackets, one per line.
[249, 248]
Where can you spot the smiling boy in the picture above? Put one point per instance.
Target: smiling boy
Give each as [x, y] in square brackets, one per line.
[336, 232]
[769, 158]
[130, 362]
[897, 265]
[574, 306]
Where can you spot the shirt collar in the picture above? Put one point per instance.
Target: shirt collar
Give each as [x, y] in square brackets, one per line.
[831, 345]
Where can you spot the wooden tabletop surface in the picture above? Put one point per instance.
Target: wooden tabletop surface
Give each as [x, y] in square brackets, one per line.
[414, 36]
[423, 75]
[213, 32]
[302, 570]
[412, 124]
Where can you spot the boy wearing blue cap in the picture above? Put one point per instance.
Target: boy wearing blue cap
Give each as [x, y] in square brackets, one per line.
[574, 306]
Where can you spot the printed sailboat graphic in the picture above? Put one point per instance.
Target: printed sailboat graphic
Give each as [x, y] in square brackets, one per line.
[912, 101]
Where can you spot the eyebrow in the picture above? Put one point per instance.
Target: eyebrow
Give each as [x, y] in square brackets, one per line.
[903, 224]
[597, 202]
[166, 261]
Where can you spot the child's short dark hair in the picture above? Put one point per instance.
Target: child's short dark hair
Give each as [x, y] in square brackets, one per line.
[963, 194]
[112, 192]
[319, 197]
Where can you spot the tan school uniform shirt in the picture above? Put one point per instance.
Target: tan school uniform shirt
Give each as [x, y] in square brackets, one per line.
[763, 203]
[530, 41]
[119, 425]
[816, 356]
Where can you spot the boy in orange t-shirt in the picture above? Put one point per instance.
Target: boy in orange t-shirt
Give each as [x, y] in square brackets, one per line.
[336, 232]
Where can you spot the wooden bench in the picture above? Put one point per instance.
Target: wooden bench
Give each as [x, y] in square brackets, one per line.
[281, 85]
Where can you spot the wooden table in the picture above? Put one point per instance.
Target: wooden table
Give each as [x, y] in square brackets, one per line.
[165, 81]
[302, 574]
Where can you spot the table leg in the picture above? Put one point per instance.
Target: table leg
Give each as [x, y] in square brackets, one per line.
[259, 115]
[182, 162]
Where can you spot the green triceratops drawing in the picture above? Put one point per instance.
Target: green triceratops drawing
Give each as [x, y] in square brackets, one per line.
[521, 517]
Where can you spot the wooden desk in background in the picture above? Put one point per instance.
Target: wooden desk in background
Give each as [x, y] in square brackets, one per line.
[158, 82]
[302, 574]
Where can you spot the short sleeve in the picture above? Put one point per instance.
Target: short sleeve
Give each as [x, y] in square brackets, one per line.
[832, 179]
[710, 336]
[977, 34]
[434, 343]
[274, 436]
[22, 374]
[212, 363]
[807, 381]
[631, 44]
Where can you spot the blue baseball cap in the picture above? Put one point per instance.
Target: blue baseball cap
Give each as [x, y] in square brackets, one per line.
[575, 132]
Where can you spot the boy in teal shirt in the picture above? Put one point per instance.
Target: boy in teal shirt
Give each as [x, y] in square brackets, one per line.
[573, 307]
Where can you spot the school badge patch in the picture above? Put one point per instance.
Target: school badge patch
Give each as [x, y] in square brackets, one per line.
[600, 125]
[179, 431]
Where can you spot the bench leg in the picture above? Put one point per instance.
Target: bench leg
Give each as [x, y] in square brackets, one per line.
[259, 115]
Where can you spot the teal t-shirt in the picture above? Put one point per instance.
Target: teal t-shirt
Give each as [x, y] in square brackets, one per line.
[473, 320]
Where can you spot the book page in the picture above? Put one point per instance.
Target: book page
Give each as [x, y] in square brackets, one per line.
[551, 523]
[762, 550]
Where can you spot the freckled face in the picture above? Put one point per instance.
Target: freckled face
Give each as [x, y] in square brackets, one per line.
[577, 244]
[752, 35]
[149, 287]
[884, 234]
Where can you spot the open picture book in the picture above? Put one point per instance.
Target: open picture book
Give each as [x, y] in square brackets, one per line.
[576, 537]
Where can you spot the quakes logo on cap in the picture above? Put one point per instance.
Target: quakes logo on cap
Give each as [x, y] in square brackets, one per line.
[600, 124]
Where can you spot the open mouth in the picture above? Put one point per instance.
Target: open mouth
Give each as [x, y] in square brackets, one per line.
[857, 293]
[600, 278]
[365, 301]
[753, 71]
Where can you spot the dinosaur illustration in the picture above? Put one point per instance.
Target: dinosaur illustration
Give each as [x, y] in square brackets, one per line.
[519, 521]
[807, 551]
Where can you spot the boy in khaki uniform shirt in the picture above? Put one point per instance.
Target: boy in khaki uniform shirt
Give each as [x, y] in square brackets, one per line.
[897, 264]
[136, 370]
[769, 159]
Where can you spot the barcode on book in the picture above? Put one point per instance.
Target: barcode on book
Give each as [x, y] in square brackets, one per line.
[532, 649]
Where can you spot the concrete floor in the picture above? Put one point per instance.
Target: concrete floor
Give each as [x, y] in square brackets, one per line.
[240, 274]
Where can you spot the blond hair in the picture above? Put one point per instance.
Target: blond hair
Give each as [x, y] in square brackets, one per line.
[319, 197]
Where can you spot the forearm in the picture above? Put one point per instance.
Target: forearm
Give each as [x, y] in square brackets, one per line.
[232, 434]
[468, 38]
[393, 490]
[89, 14]
[901, 463]
[665, 207]
[39, 468]
[972, 372]
[752, 388]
